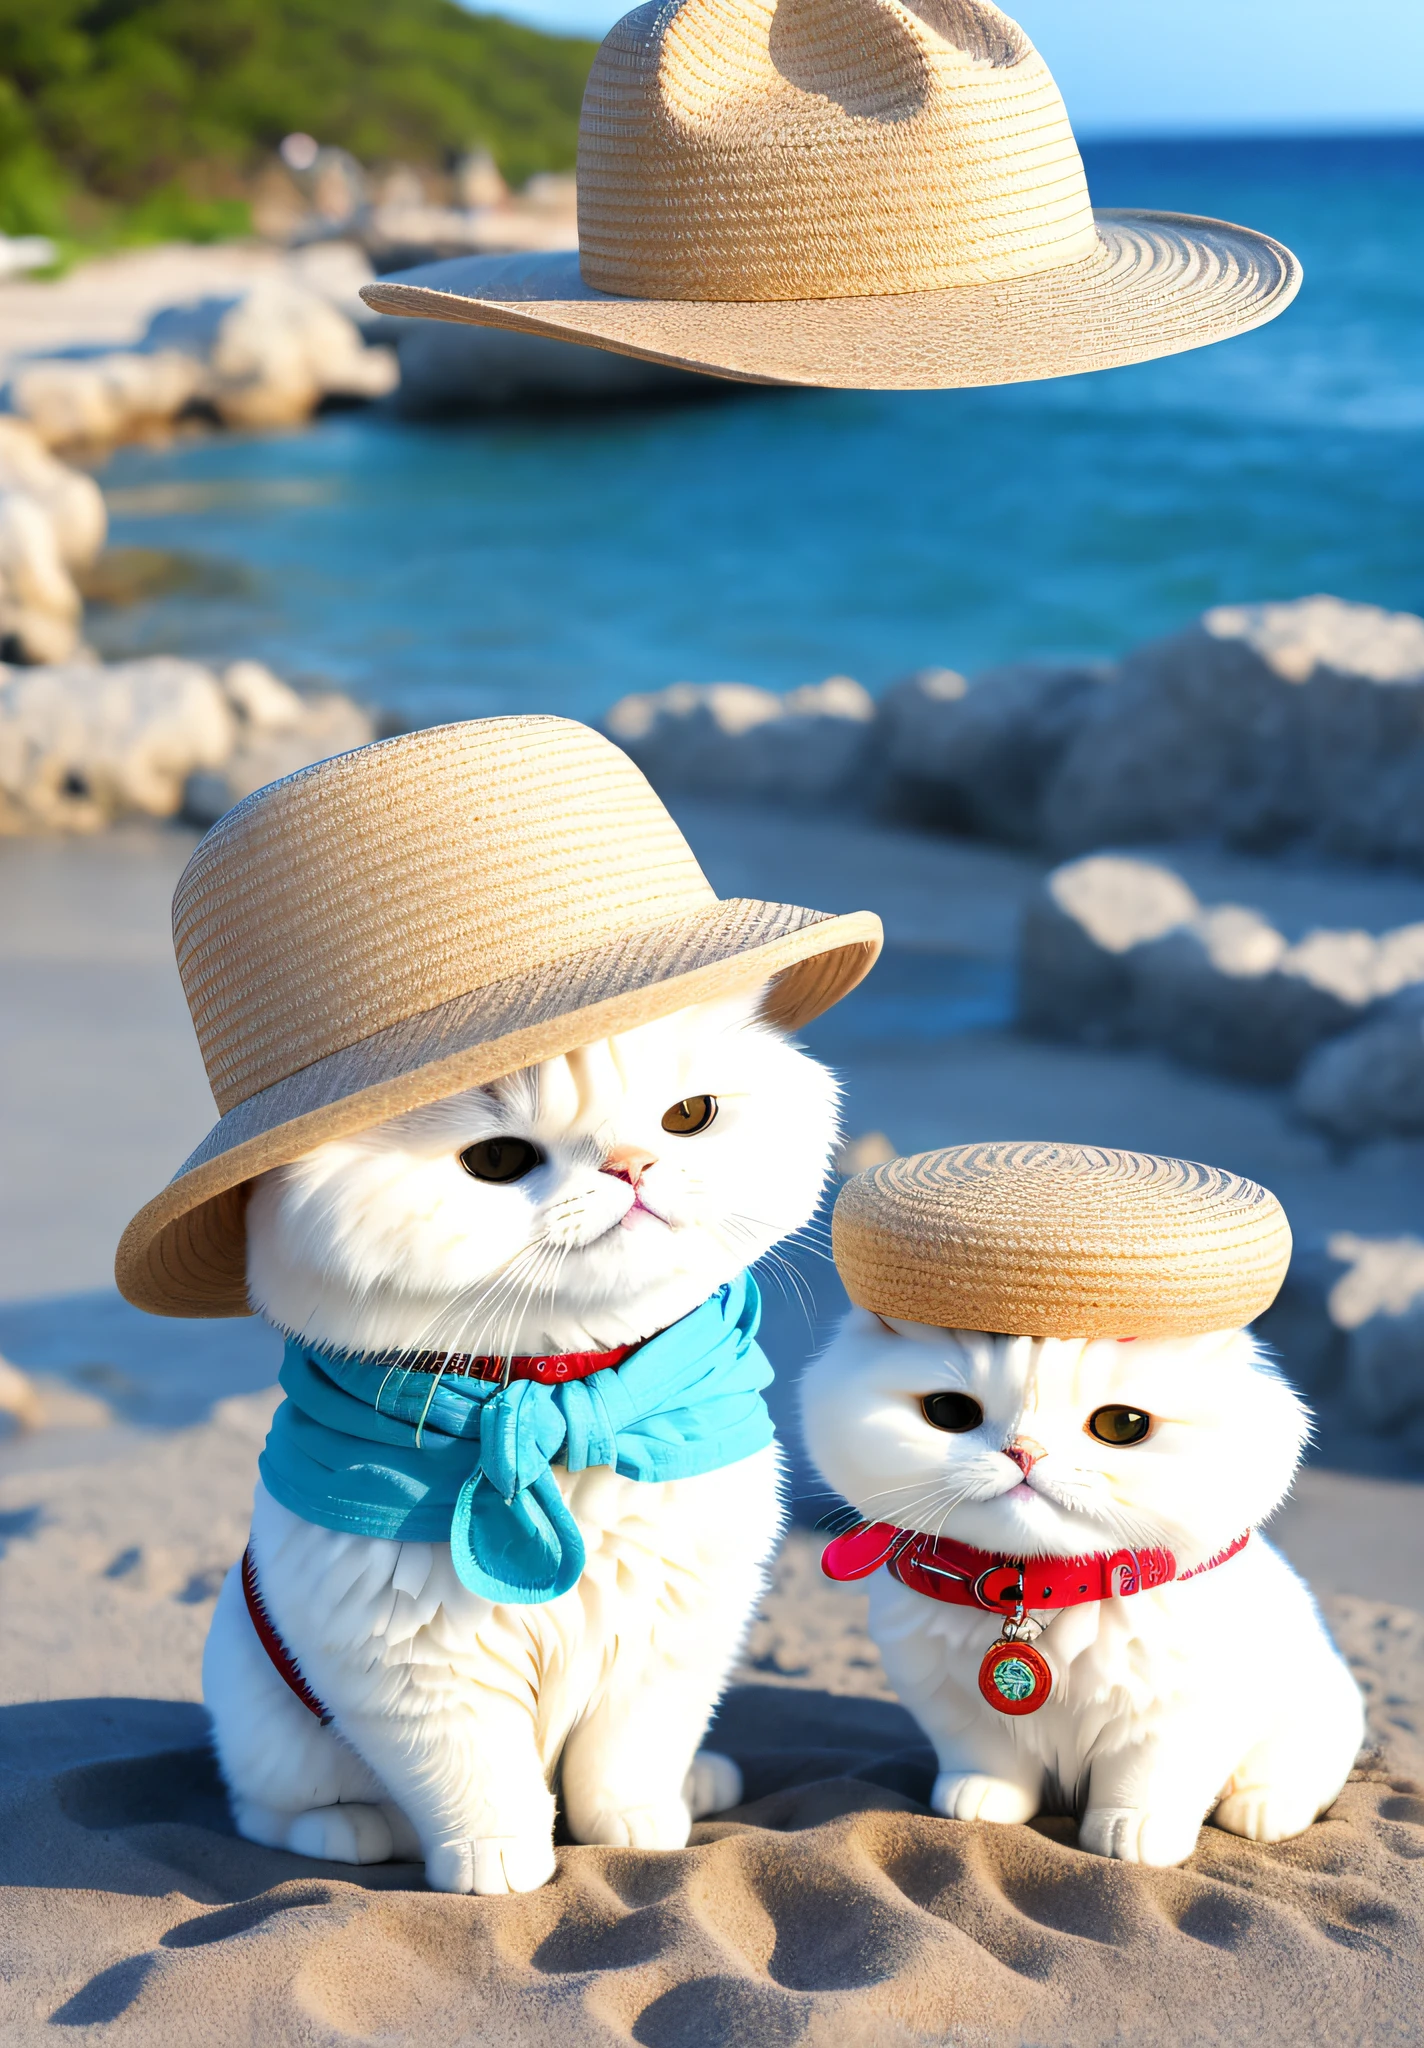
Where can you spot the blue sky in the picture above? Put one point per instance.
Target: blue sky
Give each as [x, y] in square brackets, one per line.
[1184, 66]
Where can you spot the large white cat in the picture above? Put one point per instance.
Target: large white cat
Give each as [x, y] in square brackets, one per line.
[602, 1197]
[1220, 1694]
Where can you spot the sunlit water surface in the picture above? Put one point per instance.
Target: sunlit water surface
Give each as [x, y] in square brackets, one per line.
[554, 562]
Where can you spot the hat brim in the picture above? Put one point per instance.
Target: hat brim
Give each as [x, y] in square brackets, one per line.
[1156, 284]
[185, 1253]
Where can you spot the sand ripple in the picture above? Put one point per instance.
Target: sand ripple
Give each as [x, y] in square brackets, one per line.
[832, 1909]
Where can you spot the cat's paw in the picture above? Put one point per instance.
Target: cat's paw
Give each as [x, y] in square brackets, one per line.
[349, 1833]
[1132, 1835]
[969, 1795]
[657, 1824]
[712, 1784]
[491, 1864]
[1266, 1813]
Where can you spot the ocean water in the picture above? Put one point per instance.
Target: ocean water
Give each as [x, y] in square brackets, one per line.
[553, 562]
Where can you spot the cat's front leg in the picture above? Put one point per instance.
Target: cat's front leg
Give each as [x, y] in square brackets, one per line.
[982, 1773]
[676, 1594]
[984, 1795]
[633, 1776]
[1147, 1800]
[470, 1779]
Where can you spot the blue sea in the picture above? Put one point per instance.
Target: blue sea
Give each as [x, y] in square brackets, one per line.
[555, 561]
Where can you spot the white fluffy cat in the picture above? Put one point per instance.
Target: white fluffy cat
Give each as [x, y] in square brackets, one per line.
[1222, 1694]
[454, 1716]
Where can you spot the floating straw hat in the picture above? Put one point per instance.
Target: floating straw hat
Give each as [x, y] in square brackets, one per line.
[863, 193]
[414, 918]
[1060, 1241]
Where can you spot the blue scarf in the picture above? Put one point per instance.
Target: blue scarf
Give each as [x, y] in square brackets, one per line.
[368, 1446]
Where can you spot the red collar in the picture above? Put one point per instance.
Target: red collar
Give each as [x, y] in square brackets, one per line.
[943, 1569]
[558, 1366]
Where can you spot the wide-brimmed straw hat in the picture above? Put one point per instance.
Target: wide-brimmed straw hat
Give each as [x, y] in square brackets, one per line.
[386, 928]
[861, 193]
[1037, 1240]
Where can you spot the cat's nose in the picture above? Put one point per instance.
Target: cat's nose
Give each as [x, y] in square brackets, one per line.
[628, 1162]
[1025, 1453]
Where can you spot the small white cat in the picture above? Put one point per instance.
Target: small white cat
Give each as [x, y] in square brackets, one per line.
[636, 1177]
[1220, 1695]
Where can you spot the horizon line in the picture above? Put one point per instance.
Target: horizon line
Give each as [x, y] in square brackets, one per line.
[1320, 130]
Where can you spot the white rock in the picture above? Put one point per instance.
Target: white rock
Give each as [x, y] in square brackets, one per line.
[83, 744]
[20, 1405]
[859, 1154]
[72, 501]
[736, 740]
[1261, 724]
[1120, 949]
[39, 604]
[22, 253]
[1077, 940]
[478, 181]
[1370, 1082]
[279, 350]
[1379, 1302]
[267, 356]
[314, 729]
[263, 702]
[336, 271]
[104, 398]
[271, 354]
[977, 757]
[1227, 993]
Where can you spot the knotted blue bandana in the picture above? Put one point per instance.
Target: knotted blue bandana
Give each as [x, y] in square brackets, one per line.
[383, 1450]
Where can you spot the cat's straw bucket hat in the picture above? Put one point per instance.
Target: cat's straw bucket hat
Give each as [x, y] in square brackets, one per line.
[420, 916]
[866, 193]
[1036, 1240]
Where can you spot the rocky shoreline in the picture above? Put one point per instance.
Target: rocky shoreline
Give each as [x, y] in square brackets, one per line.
[1227, 822]
[255, 335]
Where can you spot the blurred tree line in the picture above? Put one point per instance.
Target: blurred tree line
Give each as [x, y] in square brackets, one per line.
[130, 119]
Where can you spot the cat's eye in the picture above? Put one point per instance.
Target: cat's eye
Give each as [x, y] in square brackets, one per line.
[1115, 1425]
[693, 1114]
[501, 1159]
[952, 1411]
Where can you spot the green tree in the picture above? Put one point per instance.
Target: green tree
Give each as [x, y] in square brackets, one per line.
[150, 103]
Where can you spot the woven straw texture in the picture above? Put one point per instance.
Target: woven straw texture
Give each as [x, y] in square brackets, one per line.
[1041, 1240]
[854, 193]
[422, 915]
[823, 149]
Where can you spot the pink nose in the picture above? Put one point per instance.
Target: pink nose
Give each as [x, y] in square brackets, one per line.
[628, 1162]
[1025, 1453]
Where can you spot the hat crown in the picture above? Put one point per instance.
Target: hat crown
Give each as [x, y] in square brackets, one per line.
[369, 889]
[1045, 1240]
[811, 149]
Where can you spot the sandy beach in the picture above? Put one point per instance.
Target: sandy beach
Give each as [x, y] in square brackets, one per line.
[1041, 591]
[832, 1906]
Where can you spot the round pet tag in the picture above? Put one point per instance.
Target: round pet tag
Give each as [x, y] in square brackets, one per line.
[1014, 1678]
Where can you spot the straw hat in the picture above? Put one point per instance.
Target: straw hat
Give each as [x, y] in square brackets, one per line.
[1060, 1241]
[864, 193]
[414, 918]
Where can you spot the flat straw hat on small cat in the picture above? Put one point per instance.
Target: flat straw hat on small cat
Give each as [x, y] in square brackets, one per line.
[874, 194]
[397, 924]
[1060, 1241]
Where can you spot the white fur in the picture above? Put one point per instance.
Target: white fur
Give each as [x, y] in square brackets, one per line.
[1223, 1694]
[454, 1718]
